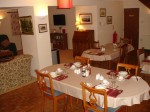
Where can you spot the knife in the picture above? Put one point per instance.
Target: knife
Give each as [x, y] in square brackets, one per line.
[136, 78]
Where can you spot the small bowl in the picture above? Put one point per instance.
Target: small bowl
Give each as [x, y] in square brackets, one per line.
[123, 73]
[77, 64]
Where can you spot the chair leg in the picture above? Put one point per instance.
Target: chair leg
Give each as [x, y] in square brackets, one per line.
[70, 101]
[43, 102]
[54, 105]
[65, 104]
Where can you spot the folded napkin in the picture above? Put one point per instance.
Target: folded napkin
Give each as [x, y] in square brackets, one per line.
[128, 76]
[61, 77]
[101, 53]
[68, 65]
[114, 92]
[115, 72]
[146, 60]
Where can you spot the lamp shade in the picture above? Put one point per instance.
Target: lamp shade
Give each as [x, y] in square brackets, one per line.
[64, 4]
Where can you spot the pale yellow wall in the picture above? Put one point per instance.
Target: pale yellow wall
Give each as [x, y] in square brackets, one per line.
[5, 28]
[114, 9]
[70, 21]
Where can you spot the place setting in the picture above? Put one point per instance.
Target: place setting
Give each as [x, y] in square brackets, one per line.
[59, 74]
[109, 85]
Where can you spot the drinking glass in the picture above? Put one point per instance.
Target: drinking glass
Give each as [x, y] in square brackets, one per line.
[113, 80]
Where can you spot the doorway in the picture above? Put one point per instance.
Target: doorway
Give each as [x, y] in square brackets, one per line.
[131, 25]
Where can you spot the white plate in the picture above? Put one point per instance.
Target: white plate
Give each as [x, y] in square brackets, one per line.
[136, 77]
[121, 79]
[123, 73]
[87, 51]
[53, 74]
[100, 87]
[77, 64]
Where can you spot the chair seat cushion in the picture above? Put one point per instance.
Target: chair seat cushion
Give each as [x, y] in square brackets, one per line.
[56, 93]
[109, 109]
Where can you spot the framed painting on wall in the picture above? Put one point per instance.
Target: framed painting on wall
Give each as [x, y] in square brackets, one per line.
[109, 19]
[86, 18]
[26, 25]
[102, 12]
[42, 28]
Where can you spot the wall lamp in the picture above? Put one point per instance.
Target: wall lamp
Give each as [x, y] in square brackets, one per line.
[64, 4]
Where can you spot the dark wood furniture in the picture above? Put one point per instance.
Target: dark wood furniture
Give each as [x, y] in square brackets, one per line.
[82, 40]
[59, 40]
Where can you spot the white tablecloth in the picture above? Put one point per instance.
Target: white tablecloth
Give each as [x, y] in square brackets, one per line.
[134, 91]
[109, 54]
[145, 67]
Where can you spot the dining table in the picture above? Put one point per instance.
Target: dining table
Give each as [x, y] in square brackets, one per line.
[132, 91]
[111, 52]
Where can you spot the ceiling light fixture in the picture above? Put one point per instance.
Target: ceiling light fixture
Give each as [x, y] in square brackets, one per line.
[64, 4]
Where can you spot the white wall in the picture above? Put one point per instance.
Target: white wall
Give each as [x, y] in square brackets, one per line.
[70, 21]
[114, 9]
[144, 22]
[5, 28]
[93, 11]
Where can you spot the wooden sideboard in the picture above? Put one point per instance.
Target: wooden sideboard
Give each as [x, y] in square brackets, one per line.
[82, 40]
[59, 40]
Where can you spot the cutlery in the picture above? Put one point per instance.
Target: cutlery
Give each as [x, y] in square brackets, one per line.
[136, 78]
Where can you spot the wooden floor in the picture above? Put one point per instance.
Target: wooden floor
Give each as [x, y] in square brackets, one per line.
[28, 99]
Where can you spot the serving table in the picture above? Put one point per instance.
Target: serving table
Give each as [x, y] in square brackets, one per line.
[134, 92]
[145, 66]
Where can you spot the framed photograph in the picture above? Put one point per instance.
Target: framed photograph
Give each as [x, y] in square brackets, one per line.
[102, 12]
[86, 18]
[42, 28]
[109, 19]
[26, 25]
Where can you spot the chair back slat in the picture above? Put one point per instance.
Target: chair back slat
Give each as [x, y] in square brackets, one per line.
[43, 85]
[131, 69]
[90, 98]
[83, 60]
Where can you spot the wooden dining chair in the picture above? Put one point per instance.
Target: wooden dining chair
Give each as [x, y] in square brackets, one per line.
[131, 69]
[91, 105]
[124, 53]
[125, 40]
[48, 91]
[83, 60]
[96, 45]
[140, 57]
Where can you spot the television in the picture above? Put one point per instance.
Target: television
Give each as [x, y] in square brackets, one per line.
[59, 19]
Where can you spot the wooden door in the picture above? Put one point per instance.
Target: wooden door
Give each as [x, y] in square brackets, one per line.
[131, 25]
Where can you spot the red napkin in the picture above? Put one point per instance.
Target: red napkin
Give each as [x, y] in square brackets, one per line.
[100, 53]
[129, 76]
[116, 73]
[60, 77]
[68, 65]
[146, 60]
[114, 92]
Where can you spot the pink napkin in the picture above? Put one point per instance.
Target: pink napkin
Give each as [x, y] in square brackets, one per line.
[129, 76]
[116, 73]
[146, 60]
[68, 65]
[60, 77]
[114, 92]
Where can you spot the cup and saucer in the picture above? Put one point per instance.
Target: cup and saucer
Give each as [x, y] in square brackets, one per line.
[120, 78]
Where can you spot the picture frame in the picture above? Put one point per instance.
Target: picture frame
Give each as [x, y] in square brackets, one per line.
[26, 25]
[85, 18]
[109, 19]
[42, 28]
[102, 12]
